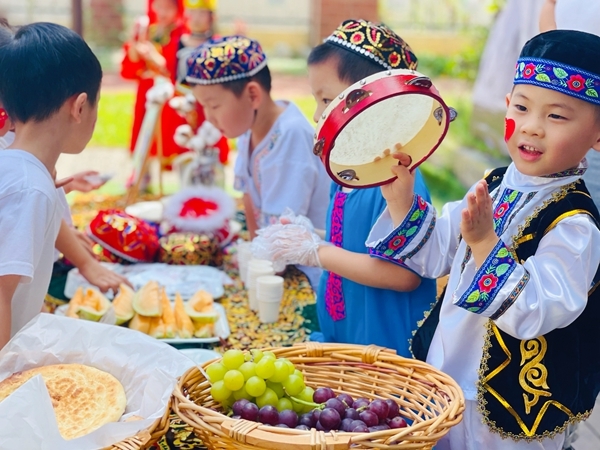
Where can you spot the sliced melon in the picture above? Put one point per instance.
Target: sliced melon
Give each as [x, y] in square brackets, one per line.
[168, 317]
[123, 304]
[94, 305]
[204, 330]
[157, 328]
[75, 303]
[147, 301]
[201, 309]
[185, 326]
[141, 323]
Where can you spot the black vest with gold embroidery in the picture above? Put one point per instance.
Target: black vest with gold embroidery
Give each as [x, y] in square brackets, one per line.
[532, 389]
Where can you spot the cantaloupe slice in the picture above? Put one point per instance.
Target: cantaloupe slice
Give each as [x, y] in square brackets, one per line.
[123, 304]
[142, 323]
[200, 308]
[168, 317]
[147, 301]
[185, 326]
[75, 303]
[88, 304]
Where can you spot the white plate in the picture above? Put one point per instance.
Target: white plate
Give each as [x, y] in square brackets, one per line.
[221, 328]
[200, 355]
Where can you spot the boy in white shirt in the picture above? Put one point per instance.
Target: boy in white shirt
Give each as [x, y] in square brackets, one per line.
[53, 108]
[275, 167]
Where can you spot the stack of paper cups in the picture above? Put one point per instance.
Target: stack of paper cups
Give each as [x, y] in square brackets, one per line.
[244, 255]
[269, 290]
[256, 268]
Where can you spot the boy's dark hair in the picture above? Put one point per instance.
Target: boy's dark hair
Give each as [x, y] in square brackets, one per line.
[262, 77]
[42, 66]
[351, 67]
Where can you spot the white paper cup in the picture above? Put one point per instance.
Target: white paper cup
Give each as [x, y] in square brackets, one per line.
[244, 256]
[254, 272]
[269, 290]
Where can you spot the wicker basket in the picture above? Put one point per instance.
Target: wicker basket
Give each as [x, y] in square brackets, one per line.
[145, 438]
[431, 400]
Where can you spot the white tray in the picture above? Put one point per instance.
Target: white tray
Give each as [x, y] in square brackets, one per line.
[221, 328]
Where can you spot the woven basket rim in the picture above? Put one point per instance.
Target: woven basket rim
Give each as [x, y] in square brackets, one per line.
[207, 421]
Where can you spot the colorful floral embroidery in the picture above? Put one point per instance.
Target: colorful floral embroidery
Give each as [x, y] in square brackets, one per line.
[559, 77]
[406, 232]
[423, 241]
[488, 280]
[507, 202]
[512, 297]
[335, 304]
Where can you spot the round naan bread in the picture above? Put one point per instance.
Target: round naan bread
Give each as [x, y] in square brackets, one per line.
[84, 398]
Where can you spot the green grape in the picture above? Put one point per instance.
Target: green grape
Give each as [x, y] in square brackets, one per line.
[242, 393]
[256, 355]
[219, 392]
[268, 398]
[281, 372]
[247, 356]
[290, 365]
[265, 368]
[293, 385]
[234, 380]
[276, 387]
[248, 369]
[270, 355]
[298, 373]
[216, 372]
[232, 359]
[255, 386]
[298, 407]
[283, 404]
[306, 394]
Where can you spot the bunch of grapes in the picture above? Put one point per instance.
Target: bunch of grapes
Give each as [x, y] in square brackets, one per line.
[259, 387]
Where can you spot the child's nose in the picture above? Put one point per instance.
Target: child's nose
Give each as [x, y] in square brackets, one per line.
[533, 126]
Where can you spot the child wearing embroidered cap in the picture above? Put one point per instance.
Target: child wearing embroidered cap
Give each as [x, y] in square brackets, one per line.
[517, 325]
[47, 122]
[275, 167]
[361, 300]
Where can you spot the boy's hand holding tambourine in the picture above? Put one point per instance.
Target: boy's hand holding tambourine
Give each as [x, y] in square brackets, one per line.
[399, 193]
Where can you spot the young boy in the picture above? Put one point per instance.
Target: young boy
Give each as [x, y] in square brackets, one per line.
[275, 167]
[48, 121]
[516, 329]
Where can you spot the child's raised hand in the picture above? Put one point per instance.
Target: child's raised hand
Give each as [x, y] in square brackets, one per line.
[400, 192]
[477, 225]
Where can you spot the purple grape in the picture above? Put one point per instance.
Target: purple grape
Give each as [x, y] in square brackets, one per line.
[303, 427]
[320, 427]
[380, 407]
[378, 428]
[268, 415]
[360, 403]
[250, 412]
[358, 426]
[346, 423]
[237, 406]
[398, 422]
[337, 405]
[351, 413]
[308, 420]
[369, 418]
[289, 418]
[346, 399]
[330, 419]
[321, 395]
[316, 414]
[394, 409]
[281, 425]
[236, 417]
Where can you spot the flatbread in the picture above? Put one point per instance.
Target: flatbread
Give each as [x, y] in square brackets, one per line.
[84, 398]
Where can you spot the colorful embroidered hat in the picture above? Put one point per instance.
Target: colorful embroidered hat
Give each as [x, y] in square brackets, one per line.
[189, 249]
[211, 5]
[563, 60]
[376, 42]
[224, 59]
[123, 235]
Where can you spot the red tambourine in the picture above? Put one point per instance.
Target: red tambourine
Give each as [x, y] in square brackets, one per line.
[389, 111]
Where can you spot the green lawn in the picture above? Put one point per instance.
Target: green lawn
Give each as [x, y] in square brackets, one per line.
[115, 116]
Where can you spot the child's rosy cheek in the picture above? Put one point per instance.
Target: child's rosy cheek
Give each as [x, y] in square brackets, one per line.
[509, 128]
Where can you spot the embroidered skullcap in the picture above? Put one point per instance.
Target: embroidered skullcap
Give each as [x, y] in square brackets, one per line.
[211, 5]
[376, 42]
[224, 59]
[566, 61]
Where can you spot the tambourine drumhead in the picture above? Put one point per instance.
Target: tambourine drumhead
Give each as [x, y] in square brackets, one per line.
[369, 121]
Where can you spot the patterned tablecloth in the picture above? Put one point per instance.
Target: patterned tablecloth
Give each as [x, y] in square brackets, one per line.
[296, 320]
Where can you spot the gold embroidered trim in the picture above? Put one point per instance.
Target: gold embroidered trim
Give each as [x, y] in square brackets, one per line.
[482, 387]
[527, 237]
[566, 215]
[534, 374]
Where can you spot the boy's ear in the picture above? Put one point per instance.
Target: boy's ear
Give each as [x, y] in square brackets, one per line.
[507, 99]
[255, 94]
[596, 146]
[79, 102]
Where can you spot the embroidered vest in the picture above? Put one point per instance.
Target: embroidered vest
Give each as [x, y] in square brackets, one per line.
[532, 389]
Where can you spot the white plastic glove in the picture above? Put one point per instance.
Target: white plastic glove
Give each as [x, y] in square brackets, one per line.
[287, 244]
[289, 216]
